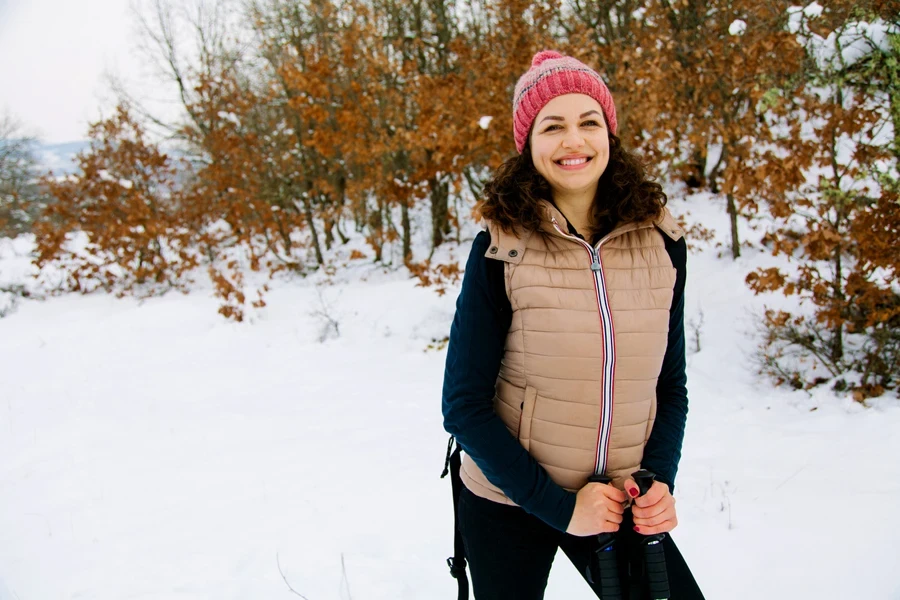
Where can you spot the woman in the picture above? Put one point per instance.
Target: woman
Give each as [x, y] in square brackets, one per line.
[566, 356]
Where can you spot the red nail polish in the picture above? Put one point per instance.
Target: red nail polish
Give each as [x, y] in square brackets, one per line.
[636, 528]
[634, 492]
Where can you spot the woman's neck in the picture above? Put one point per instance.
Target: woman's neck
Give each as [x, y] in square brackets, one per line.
[578, 210]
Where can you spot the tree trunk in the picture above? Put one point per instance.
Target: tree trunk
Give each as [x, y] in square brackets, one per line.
[285, 236]
[404, 223]
[329, 233]
[837, 334]
[308, 212]
[375, 226]
[733, 216]
[337, 227]
[361, 216]
[695, 177]
[333, 223]
[440, 225]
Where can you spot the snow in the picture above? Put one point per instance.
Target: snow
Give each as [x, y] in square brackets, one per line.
[843, 47]
[813, 10]
[152, 449]
[798, 14]
[856, 41]
[713, 155]
[737, 27]
[230, 117]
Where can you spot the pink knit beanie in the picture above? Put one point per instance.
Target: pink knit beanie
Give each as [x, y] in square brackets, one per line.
[551, 75]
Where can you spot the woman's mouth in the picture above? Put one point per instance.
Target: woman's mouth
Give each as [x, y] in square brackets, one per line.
[572, 164]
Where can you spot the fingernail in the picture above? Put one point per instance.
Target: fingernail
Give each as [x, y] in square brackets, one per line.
[634, 492]
[636, 528]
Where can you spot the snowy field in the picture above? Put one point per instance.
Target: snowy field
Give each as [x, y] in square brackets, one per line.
[152, 450]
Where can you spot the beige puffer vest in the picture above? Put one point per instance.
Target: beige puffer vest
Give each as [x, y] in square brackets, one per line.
[577, 383]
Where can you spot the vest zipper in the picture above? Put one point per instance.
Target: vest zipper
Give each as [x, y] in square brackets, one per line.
[609, 350]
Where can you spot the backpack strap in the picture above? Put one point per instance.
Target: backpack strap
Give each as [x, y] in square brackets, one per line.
[457, 562]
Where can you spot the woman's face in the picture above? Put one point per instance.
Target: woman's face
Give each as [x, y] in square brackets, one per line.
[570, 144]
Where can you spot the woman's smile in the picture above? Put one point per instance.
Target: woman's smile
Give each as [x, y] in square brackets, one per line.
[574, 163]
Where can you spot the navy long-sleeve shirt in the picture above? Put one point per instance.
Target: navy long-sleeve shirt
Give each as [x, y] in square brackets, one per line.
[477, 340]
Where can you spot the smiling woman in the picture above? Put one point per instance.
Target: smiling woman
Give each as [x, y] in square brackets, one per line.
[516, 196]
[565, 375]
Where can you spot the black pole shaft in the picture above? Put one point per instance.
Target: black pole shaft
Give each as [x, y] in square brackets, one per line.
[607, 560]
[654, 553]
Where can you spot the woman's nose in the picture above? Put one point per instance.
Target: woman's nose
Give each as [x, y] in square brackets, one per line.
[573, 139]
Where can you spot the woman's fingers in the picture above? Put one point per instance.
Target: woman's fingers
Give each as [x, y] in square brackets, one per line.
[666, 515]
[652, 511]
[614, 494]
[608, 527]
[596, 511]
[656, 493]
[664, 527]
[657, 515]
[615, 507]
[631, 488]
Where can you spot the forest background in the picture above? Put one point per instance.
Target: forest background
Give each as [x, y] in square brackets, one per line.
[307, 124]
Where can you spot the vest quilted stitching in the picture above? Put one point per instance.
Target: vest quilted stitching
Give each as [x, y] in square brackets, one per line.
[549, 391]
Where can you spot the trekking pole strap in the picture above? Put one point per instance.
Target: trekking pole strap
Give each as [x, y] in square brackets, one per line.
[457, 562]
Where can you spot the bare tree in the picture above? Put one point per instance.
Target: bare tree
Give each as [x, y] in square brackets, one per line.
[188, 43]
[19, 194]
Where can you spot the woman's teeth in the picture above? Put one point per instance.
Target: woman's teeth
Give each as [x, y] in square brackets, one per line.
[573, 162]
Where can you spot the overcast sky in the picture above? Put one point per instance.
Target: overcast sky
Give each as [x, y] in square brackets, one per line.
[53, 56]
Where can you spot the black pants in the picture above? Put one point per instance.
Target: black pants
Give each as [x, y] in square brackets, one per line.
[510, 553]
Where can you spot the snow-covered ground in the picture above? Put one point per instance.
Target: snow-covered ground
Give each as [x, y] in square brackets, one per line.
[153, 450]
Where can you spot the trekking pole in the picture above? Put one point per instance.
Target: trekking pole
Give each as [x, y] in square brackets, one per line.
[608, 566]
[654, 554]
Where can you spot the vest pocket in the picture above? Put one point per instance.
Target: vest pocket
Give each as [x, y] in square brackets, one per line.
[526, 417]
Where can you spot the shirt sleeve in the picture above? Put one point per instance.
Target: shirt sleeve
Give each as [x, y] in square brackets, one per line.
[477, 340]
[663, 450]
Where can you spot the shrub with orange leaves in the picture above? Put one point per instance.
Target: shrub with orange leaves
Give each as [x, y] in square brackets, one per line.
[840, 223]
[127, 202]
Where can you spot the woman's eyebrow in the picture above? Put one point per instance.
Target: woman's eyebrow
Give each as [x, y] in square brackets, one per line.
[583, 115]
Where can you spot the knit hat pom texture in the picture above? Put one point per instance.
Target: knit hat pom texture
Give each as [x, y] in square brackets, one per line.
[544, 55]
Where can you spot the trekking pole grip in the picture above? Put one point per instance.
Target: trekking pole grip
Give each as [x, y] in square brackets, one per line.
[607, 561]
[654, 553]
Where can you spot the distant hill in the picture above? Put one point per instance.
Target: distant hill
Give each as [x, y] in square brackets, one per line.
[60, 158]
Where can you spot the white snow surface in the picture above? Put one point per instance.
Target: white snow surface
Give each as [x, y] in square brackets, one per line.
[841, 48]
[738, 27]
[814, 10]
[153, 450]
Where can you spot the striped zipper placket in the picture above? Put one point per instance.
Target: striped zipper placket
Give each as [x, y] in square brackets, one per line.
[609, 350]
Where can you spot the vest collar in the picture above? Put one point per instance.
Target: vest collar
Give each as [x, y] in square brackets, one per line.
[510, 246]
[666, 223]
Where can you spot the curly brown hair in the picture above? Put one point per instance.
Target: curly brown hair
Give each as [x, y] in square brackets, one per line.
[625, 193]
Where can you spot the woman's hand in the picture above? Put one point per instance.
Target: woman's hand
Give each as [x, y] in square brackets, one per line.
[654, 512]
[598, 509]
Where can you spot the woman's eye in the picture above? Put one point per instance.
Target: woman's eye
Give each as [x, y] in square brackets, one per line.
[588, 123]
